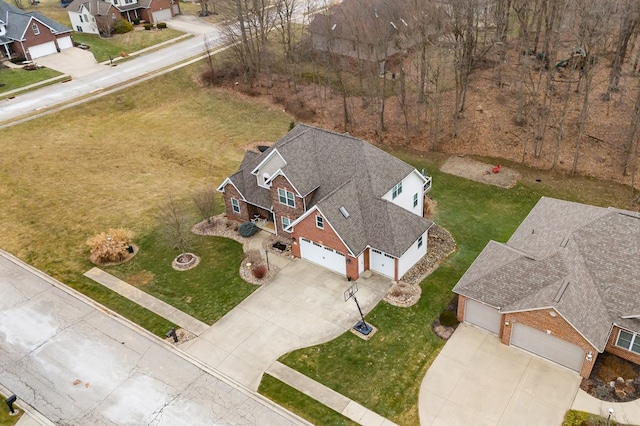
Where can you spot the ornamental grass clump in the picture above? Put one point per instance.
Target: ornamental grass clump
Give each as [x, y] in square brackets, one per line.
[111, 246]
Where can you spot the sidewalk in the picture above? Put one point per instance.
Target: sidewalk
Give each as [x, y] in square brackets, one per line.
[246, 342]
[623, 412]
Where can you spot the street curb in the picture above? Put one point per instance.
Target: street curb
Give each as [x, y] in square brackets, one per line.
[135, 327]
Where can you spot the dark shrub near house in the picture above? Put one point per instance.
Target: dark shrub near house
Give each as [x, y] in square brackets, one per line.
[448, 318]
[136, 21]
[148, 27]
[162, 25]
[259, 271]
[247, 229]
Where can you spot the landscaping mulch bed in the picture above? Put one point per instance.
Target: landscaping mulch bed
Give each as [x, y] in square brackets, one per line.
[406, 292]
[613, 379]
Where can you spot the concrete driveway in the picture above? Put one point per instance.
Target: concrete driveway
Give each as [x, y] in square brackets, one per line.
[302, 306]
[477, 380]
[74, 62]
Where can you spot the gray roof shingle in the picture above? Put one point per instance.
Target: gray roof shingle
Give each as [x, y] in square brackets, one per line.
[17, 21]
[341, 171]
[592, 252]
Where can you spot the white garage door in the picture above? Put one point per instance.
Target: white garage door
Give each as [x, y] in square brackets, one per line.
[162, 15]
[482, 315]
[43, 49]
[323, 256]
[65, 43]
[382, 263]
[547, 346]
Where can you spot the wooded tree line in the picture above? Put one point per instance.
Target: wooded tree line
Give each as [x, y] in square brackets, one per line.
[422, 56]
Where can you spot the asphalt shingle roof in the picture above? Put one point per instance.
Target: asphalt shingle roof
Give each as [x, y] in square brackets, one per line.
[580, 260]
[17, 21]
[341, 171]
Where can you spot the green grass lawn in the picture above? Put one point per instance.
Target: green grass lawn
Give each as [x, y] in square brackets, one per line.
[103, 48]
[292, 399]
[206, 292]
[384, 373]
[12, 79]
[580, 418]
[111, 163]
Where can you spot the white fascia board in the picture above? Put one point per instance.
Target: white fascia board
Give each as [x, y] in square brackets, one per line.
[267, 158]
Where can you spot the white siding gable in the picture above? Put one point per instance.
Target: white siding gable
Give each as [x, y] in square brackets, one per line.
[412, 184]
[412, 255]
[268, 168]
[82, 21]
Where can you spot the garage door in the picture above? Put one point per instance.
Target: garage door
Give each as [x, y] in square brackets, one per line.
[547, 346]
[65, 43]
[382, 263]
[323, 256]
[162, 15]
[43, 49]
[482, 315]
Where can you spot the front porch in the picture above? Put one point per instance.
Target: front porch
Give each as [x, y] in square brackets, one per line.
[264, 224]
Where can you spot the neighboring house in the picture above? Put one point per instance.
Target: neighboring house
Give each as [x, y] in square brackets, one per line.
[30, 35]
[145, 10]
[565, 286]
[364, 32]
[93, 16]
[348, 205]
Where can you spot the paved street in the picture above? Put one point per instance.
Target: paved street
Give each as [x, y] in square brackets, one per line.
[77, 364]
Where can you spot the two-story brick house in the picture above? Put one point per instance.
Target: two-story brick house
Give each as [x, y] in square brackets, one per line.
[348, 205]
[565, 286]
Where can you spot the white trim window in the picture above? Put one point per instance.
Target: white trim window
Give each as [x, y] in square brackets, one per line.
[320, 222]
[35, 29]
[420, 241]
[397, 190]
[628, 341]
[415, 200]
[286, 197]
[285, 223]
[235, 205]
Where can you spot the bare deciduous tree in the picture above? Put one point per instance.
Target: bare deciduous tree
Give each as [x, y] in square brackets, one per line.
[175, 221]
[205, 201]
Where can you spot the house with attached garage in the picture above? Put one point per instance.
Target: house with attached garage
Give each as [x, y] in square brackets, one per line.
[348, 206]
[93, 16]
[30, 35]
[565, 286]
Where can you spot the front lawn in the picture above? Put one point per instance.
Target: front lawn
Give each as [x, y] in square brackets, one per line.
[11, 79]
[111, 163]
[5, 418]
[103, 48]
[384, 373]
[206, 292]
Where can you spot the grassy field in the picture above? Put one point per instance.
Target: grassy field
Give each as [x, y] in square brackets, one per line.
[111, 163]
[103, 48]
[12, 79]
[384, 373]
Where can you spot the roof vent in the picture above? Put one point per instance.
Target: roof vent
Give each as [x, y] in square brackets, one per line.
[561, 290]
[344, 212]
[564, 242]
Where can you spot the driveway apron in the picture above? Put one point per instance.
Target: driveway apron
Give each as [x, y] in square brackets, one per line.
[477, 380]
[302, 306]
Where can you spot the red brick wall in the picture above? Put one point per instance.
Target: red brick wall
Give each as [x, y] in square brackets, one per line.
[308, 229]
[541, 320]
[32, 40]
[622, 353]
[280, 210]
[461, 304]
[230, 192]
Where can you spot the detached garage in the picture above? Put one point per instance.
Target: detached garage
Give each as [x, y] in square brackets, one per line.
[547, 346]
[323, 256]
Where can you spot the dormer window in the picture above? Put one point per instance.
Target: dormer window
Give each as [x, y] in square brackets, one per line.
[35, 29]
[265, 177]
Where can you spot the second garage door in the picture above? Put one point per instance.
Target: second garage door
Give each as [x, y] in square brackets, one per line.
[43, 49]
[382, 263]
[547, 346]
[162, 15]
[323, 256]
[482, 315]
[65, 42]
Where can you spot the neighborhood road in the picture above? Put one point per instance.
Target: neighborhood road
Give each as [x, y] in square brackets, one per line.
[131, 70]
[79, 365]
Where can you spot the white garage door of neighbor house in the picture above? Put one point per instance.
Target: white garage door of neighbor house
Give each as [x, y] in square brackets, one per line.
[162, 15]
[482, 315]
[65, 43]
[323, 256]
[43, 49]
[382, 263]
[547, 346]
